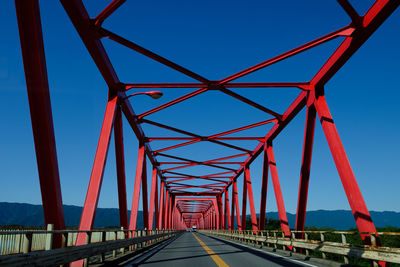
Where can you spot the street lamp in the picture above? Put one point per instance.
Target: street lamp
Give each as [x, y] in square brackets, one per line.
[152, 94]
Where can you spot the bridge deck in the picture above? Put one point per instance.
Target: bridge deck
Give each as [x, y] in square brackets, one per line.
[195, 249]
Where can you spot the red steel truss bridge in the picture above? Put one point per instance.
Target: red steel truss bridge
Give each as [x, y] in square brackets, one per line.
[179, 198]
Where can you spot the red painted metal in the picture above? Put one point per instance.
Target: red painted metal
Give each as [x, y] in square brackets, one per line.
[305, 168]
[247, 180]
[129, 86]
[235, 206]
[120, 162]
[204, 207]
[244, 199]
[115, 4]
[153, 208]
[144, 196]
[140, 169]
[96, 177]
[30, 32]
[353, 193]
[277, 189]
[161, 207]
[264, 186]
[227, 217]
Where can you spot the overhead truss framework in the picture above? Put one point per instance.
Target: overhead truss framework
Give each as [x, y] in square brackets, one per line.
[175, 201]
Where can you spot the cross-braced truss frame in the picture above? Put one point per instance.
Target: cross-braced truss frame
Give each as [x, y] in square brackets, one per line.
[179, 203]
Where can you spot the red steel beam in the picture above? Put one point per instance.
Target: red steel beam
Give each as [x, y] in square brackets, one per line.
[150, 54]
[353, 193]
[227, 218]
[301, 85]
[264, 186]
[120, 164]
[140, 169]
[81, 20]
[355, 18]
[244, 200]
[144, 196]
[296, 106]
[150, 139]
[277, 189]
[173, 102]
[190, 134]
[161, 207]
[374, 17]
[247, 180]
[346, 31]
[166, 208]
[305, 168]
[96, 177]
[114, 5]
[33, 55]
[250, 102]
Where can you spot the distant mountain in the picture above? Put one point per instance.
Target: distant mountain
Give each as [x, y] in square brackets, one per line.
[341, 219]
[32, 215]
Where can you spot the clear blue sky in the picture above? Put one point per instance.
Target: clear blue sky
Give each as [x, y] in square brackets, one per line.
[214, 39]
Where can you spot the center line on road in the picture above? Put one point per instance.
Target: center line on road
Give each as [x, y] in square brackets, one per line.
[214, 256]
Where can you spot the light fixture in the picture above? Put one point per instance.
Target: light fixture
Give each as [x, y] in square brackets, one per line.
[152, 94]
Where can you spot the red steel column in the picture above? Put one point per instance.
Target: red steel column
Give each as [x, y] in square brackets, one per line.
[221, 212]
[354, 196]
[120, 162]
[140, 168]
[166, 210]
[277, 189]
[217, 214]
[144, 196]
[153, 198]
[305, 168]
[96, 177]
[244, 199]
[171, 208]
[264, 186]
[227, 214]
[235, 206]
[161, 207]
[251, 199]
[31, 38]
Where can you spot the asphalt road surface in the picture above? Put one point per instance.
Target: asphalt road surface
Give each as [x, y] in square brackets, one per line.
[195, 249]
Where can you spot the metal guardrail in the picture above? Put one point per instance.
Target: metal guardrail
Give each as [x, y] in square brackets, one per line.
[306, 241]
[34, 247]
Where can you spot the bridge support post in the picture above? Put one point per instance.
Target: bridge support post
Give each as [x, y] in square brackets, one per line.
[166, 210]
[305, 169]
[96, 177]
[217, 223]
[33, 55]
[153, 209]
[235, 207]
[227, 214]
[221, 212]
[161, 207]
[277, 189]
[244, 200]
[144, 196]
[120, 162]
[264, 186]
[140, 175]
[247, 180]
[353, 193]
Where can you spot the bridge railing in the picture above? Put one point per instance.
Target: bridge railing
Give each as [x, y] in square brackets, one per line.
[35, 246]
[345, 244]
